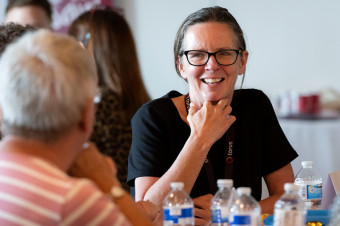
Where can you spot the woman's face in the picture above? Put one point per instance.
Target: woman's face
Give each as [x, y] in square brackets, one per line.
[211, 82]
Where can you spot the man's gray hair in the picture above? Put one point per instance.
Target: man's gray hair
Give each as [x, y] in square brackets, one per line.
[46, 80]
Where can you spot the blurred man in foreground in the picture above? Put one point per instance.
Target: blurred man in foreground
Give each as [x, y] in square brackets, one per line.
[9, 33]
[47, 86]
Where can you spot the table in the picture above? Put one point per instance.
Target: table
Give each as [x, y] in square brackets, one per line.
[313, 140]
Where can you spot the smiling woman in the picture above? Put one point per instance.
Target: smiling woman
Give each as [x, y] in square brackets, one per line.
[214, 78]
[214, 131]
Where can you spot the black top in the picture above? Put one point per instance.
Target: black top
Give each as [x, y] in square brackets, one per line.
[260, 146]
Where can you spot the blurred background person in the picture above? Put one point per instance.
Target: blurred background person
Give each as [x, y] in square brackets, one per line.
[37, 13]
[107, 36]
[10, 32]
[45, 125]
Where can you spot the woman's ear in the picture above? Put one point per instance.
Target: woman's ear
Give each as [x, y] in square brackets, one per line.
[181, 68]
[243, 62]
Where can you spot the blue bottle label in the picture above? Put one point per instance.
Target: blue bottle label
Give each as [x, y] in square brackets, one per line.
[314, 191]
[178, 215]
[240, 220]
[220, 215]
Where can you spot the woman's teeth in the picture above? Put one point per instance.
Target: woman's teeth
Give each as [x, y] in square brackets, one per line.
[211, 81]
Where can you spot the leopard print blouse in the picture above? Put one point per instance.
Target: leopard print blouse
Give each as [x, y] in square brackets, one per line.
[112, 133]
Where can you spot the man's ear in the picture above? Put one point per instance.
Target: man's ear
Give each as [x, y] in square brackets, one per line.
[87, 118]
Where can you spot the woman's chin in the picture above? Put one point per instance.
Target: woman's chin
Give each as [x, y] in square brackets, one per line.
[215, 101]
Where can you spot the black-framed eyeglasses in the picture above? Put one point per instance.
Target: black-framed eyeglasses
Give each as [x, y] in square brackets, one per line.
[223, 57]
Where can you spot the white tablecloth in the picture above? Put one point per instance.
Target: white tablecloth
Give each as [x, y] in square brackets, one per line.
[313, 140]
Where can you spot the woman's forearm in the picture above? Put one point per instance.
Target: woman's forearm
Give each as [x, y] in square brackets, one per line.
[185, 169]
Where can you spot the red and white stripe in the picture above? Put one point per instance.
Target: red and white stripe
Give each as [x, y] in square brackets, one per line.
[34, 192]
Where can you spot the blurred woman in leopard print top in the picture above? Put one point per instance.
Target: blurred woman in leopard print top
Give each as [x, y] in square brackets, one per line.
[107, 36]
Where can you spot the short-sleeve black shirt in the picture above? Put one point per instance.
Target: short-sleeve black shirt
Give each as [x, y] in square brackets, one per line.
[159, 134]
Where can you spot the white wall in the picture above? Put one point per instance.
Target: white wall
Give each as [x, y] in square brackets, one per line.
[3, 4]
[292, 44]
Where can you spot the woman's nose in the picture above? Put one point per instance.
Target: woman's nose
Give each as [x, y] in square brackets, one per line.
[212, 63]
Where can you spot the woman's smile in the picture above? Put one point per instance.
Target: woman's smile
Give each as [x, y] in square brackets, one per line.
[212, 81]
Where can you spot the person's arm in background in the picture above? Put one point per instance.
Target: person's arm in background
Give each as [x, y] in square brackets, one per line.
[101, 170]
[275, 182]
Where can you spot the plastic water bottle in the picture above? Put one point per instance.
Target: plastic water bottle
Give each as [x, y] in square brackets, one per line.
[334, 212]
[245, 210]
[310, 185]
[289, 209]
[221, 203]
[178, 207]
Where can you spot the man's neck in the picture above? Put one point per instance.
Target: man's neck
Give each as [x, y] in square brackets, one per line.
[59, 153]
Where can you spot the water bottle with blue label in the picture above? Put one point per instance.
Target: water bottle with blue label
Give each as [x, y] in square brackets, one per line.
[310, 185]
[245, 210]
[289, 209]
[221, 203]
[178, 207]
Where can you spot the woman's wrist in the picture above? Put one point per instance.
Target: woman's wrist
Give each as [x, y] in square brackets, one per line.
[199, 143]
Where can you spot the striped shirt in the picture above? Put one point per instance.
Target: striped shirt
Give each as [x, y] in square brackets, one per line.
[35, 192]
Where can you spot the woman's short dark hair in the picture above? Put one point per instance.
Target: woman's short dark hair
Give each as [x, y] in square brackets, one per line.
[210, 14]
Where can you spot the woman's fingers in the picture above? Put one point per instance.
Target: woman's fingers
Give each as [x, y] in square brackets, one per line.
[202, 209]
[201, 218]
[193, 109]
[223, 103]
[231, 119]
[213, 119]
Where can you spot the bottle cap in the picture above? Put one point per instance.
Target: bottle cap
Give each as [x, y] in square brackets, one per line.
[243, 191]
[290, 187]
[224, 183]
[307, 164]
[178, 185]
